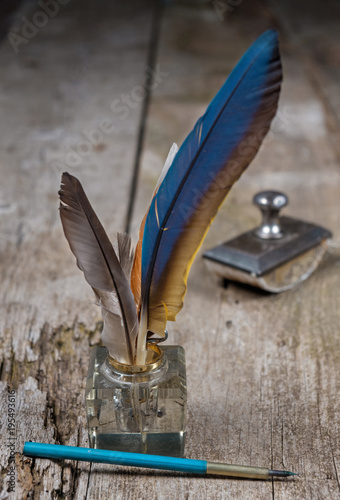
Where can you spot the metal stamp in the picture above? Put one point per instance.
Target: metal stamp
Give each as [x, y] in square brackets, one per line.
[275, 256]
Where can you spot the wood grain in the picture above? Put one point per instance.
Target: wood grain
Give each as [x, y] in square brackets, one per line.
[61, 83]
[263, 370]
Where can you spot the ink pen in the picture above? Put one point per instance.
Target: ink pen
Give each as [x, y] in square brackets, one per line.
[55, 451]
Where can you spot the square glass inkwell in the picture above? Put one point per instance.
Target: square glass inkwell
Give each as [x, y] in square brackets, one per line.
[138, 408]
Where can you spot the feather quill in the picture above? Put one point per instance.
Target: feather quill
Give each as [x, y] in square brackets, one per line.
[107, 275]
[221, 145]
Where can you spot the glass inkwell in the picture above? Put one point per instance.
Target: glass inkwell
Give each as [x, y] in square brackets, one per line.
[140, 409]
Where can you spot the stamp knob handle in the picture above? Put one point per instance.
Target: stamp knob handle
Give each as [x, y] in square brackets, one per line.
[270, 203]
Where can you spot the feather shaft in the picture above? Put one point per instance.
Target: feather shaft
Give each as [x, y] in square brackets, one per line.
[136, 274]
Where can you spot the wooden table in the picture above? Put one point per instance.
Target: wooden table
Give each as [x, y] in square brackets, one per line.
[263, 370]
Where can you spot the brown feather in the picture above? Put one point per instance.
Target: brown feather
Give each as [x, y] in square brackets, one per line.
[102, 270]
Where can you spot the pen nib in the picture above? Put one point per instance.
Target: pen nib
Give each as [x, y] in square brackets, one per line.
[281, 473]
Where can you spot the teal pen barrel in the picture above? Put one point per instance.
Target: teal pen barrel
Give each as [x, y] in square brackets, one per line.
[56, 451]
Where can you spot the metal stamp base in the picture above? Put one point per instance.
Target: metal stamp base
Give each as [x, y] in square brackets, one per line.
[276, 256]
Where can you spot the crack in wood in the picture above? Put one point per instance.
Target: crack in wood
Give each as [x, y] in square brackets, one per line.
[151, 63]
[336, 470]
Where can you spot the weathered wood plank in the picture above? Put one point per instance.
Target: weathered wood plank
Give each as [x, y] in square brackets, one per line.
[314, 34]
[56, 93]
[262, 370]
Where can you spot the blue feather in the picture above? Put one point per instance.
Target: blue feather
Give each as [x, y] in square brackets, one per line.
[221, 145]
